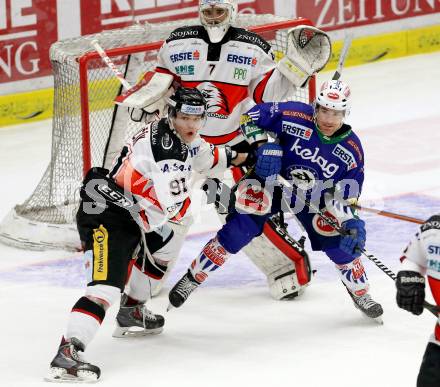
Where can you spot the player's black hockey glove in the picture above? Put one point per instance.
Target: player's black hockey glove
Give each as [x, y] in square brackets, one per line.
[410, 291]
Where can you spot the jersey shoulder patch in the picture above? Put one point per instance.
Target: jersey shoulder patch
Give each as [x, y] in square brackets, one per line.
[433, 223]
[187, 32]
[165, 145]
[242, 35]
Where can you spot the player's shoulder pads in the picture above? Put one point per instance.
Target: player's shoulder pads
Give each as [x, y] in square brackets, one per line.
[242, 35]
[165, 144]
[433, 223]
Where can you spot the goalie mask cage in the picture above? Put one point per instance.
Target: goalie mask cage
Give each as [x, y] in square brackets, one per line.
[88, 129]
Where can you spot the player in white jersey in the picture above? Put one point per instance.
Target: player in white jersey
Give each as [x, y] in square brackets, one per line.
[234, 69]
[422, 258]
[123, 217]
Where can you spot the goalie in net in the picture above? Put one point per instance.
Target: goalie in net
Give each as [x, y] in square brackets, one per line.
[235, 69]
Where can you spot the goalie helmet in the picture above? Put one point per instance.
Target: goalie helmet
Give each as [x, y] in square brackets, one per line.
[216, 16]
[334, 95]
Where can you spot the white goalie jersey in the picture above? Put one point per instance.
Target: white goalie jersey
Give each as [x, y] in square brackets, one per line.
[156, 166]
[233, 75]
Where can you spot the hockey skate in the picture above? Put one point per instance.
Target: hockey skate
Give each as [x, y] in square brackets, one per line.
[181, 290]
[367, 306]
[69, 366]
[136, 320]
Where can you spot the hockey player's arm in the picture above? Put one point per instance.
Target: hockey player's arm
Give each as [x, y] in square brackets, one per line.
[211, 159]
[259, 121]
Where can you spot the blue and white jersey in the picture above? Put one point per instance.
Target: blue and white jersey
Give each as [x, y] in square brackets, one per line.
[312, 160]
[315, 163]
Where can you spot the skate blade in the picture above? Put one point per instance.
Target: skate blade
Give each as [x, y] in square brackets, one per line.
[60, 375]
[377, 319]
[122, 333]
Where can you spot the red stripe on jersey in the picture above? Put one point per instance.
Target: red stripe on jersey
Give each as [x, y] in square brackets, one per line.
[183, 210]
[220, 140]
[434, 284]
[437, 332]
[89, 314]
[259, 90]
[215, 162]
[137, 183]
[144, 219]
[289, 251]
[237, 173]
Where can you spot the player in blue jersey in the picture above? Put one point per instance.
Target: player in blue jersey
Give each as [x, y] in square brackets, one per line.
[323, 158]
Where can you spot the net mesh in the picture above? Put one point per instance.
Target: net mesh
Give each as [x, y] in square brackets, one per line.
[56, 197]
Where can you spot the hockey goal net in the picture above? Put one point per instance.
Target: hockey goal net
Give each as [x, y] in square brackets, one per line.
[88, 129]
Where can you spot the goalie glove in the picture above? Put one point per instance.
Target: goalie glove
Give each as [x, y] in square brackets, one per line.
[410, 291]
[308, 51]
[148, 94]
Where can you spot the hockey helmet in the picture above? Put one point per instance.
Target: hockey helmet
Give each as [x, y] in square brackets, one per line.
[216, 16]
[334, 95]
[188, 101]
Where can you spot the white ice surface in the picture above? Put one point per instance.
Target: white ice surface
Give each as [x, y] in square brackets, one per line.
[230, 332]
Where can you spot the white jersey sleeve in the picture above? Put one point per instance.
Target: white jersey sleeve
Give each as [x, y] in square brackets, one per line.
[423, 251]
[208, 159]
[269, 84]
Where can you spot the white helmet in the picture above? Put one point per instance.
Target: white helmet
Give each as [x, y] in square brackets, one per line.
[334, 95]
[217, 29]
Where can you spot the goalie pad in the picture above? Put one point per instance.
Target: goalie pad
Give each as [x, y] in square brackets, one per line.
[282, 259]
[148, 94]
[308, 51]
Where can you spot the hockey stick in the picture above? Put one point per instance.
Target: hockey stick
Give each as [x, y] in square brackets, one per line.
[432, 308]
[110, 64]
[342, 57]
[388, 214]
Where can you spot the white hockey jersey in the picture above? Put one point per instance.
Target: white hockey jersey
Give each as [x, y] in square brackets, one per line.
[423, 251]
[423, 255]
[156, 166]
[233, 75]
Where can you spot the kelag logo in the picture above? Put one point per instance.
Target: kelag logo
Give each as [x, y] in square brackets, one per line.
[241, 59]
[195, 55]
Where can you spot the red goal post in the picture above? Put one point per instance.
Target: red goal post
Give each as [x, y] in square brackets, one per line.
[88, 129]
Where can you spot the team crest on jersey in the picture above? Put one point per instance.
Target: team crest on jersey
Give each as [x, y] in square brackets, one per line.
[302, 177]
[345, 156]
[297, 130]
[322, 227]
[216, 102]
